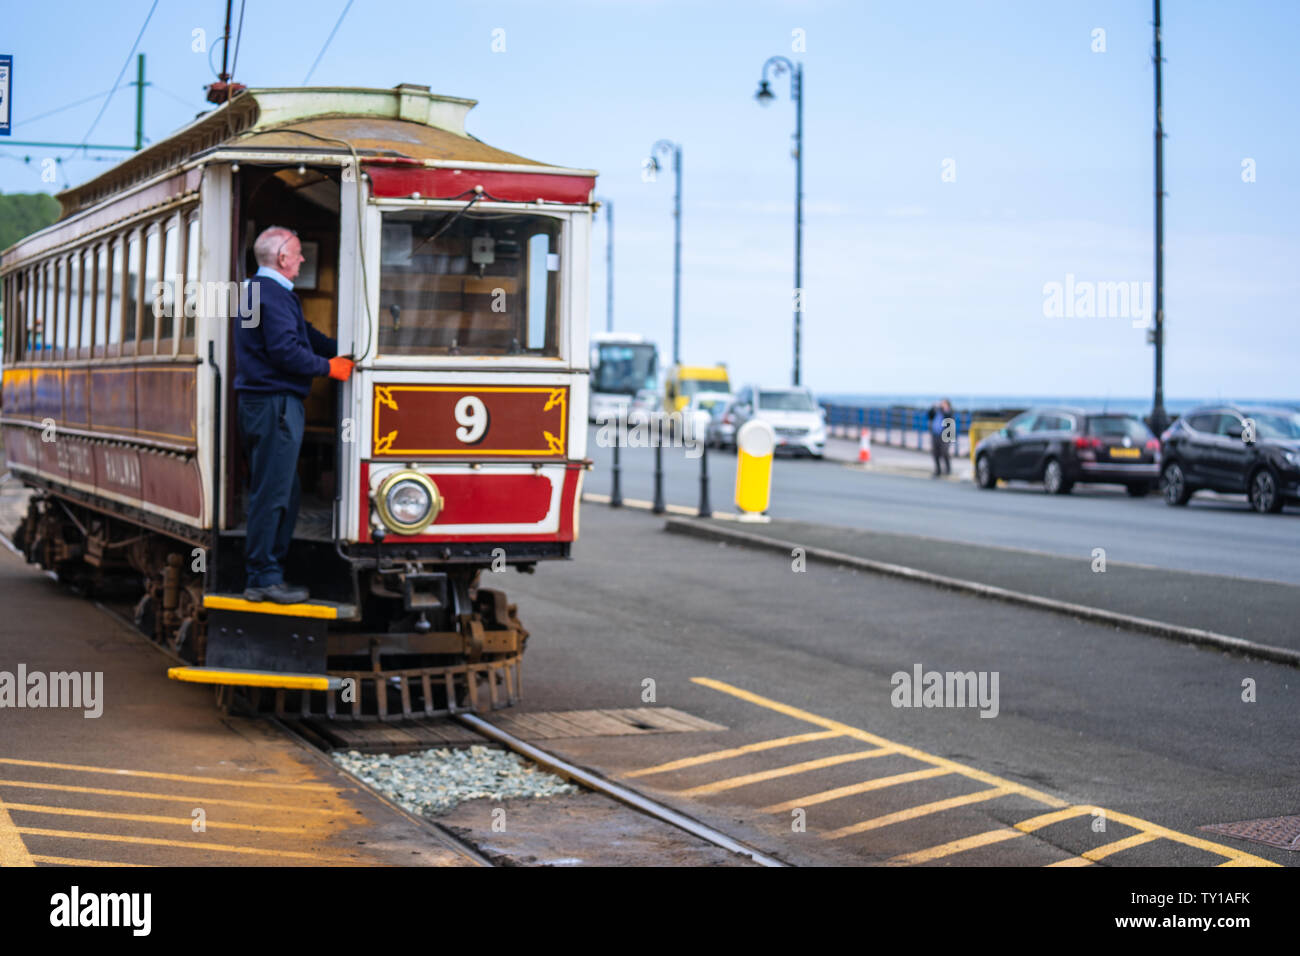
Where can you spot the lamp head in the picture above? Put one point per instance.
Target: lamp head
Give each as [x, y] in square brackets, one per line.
[764, 94]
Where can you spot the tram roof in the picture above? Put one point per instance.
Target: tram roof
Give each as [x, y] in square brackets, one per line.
[407, 123]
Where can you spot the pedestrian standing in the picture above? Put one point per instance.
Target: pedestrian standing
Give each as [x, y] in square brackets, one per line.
[940, 416]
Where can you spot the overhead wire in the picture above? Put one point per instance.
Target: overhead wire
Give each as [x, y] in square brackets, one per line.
[121, 73]
[328, 41]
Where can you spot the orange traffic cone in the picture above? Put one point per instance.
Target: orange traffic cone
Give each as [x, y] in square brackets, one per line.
[864, 447]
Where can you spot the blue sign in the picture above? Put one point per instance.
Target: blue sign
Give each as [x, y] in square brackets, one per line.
[6, 86]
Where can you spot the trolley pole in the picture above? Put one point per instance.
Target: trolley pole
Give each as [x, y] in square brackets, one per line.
[667, 146]
[659, 506]
[706, 510]
[139, 101]
[1159, 419]
[779, 65]
[616, 490]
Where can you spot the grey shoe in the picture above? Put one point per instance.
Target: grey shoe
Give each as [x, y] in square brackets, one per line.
[279, 593]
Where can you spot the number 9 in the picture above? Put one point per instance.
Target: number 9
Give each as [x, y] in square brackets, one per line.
[472, 416]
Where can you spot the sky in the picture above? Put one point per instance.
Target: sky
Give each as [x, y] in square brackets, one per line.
[960, 158]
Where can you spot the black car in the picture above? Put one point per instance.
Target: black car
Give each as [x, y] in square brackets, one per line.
[1062, 446]
[1239, 450]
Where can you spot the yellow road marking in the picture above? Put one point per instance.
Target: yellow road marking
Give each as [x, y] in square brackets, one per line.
[954, 846]
[858, 734]
[1072, 861]
[69, 861]
[1002, 786]
[923, 810]
[1101, 852]
[879, 783]
[182, 798]
[184, 844]
[733, 752]
[184, 778]
[731, 783]
[1047, 819]
[13, 852]
[1235, 856]
[150, 818]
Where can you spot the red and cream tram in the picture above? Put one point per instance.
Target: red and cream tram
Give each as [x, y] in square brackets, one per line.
[456, 275]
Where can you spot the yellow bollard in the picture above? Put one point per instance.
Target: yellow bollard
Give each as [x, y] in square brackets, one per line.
[755, 443]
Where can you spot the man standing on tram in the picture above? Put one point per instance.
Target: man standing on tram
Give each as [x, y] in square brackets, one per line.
[277, 353]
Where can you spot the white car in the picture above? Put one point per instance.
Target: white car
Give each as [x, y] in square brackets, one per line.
[793, 413]
[698, 414]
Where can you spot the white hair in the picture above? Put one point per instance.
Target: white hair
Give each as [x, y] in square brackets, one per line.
[266, 250]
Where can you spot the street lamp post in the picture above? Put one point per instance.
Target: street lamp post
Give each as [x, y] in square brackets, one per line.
[778, 65]
[609, 263]
[1159, 418]
[667, 146]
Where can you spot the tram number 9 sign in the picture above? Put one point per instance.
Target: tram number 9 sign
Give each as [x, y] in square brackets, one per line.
[467, 421]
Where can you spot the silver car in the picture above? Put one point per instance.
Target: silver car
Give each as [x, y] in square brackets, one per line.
[793, 413]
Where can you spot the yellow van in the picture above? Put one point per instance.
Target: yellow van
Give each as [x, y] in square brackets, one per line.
[683, 381]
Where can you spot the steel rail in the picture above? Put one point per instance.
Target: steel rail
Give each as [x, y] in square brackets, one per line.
[630, 798]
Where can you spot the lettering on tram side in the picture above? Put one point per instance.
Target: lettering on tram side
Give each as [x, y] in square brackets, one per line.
[122, 468]
[57, 689]
[75, 458]
[75, 908]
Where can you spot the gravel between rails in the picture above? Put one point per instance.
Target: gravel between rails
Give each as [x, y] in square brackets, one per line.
[434, 781]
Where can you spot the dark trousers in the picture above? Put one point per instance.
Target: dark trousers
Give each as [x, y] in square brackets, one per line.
[939, 449]
[271, 426]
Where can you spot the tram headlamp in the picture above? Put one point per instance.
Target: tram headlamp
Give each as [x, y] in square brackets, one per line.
[408, 502]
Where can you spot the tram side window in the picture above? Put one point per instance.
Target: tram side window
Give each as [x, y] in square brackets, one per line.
[191, 275]
[44, 323]
[87, 304]
[169, 263]
[74, 306]
[131, 295]
[113, 297]
[469, 284]
[149, 275]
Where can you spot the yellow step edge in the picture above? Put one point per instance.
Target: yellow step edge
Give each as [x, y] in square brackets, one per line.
[216, 675]
[221, 602]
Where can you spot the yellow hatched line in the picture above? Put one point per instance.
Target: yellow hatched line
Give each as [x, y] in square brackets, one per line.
[150, 818]
[923, 810]
[1101, 852]
[879, 783]
[1072, 861]
[859, 734]
[182, 844]
[954, 847]
[69, 861]
[184, 778]
[733, 752]
[731, 783]
[182, 798]
[13, 852]
[1234, 856]
[1047, 819]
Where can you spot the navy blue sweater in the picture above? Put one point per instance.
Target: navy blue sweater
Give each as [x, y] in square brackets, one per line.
[279, 351]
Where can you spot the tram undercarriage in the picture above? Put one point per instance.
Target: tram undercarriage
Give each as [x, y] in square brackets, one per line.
[419, 637]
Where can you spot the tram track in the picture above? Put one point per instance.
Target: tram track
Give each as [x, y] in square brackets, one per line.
[588, 780]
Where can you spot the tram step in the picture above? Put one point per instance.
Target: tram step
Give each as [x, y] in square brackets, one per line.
[251, 678]
[323, 610]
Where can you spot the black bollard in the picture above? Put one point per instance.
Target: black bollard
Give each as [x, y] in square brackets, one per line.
[659, 506]
[616, 492]
[706, 511]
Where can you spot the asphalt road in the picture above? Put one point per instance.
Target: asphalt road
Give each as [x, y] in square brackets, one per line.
[1213, 535]
[1153, 733]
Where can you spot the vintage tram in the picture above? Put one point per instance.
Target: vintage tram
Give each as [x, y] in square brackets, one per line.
[453, 272]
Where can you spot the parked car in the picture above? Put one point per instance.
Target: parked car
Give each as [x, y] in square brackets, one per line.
[799, 423]
[701, 410]
[722, 426]
[1062, 446]
[1234, 449]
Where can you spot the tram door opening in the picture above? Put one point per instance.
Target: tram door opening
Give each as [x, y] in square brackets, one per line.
[308, 203]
